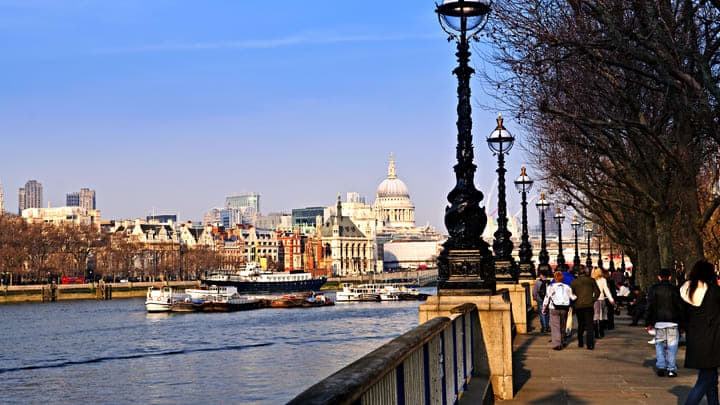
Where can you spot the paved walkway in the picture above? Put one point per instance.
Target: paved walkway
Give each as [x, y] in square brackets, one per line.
[619, 370]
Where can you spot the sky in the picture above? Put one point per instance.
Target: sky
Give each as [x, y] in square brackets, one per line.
[171, 105]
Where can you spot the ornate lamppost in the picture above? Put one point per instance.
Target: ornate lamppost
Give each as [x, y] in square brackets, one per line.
[544, 258]
[576, 226]
[559, 219]
[465, 265]
[588, 232]
[500, 143]
[527, 269]
[611, 268]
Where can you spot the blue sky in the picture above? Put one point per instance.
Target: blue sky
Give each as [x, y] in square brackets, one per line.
[173, 104]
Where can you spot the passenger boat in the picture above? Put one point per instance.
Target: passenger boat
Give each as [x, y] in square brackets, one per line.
[160, 298]
[394, 292]
[255, 279]
[351, 293]
[212, 293]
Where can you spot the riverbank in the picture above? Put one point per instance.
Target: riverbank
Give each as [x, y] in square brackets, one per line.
[92, 291]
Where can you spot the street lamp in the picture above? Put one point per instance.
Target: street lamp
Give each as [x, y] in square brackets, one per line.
[576, 226]
[524, 185]
[588, 232]
[544, 258]
[559, 218]
[500, 143]
[611, 268]
[465, 262]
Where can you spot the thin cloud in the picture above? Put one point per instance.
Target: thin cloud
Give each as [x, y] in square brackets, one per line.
[265, 43]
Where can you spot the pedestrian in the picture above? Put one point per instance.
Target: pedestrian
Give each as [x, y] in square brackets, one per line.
[612, 287]
[568, 278]
[665, 314]
[600, 313]
[539, 293]
[637, 305]
[702, 313]
[557, 303]
[587, 292]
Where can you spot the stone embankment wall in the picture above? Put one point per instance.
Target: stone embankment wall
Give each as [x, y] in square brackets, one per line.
[64, 292]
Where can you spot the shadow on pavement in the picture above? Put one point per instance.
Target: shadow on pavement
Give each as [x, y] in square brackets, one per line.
[560, 396]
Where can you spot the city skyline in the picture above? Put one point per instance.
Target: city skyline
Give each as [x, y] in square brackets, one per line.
[192, 106]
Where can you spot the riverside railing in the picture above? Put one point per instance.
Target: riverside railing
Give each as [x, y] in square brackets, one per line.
[431, 364]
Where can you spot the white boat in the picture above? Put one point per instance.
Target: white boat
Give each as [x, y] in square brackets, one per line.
[212, 293]
[160, 299]
[351, 293]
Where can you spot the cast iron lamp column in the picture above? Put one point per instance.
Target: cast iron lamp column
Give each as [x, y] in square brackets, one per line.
[576, 226]
[559, 218]
[527, 269]
[611, 268]
[588, 260]
[500, 143]
[544, 258]
[465, 265]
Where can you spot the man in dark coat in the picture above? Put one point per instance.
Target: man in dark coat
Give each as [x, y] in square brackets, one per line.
[587, 293]
[665, 314]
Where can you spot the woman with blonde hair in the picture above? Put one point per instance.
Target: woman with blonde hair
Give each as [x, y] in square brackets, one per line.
[557, 302]
[600, 307]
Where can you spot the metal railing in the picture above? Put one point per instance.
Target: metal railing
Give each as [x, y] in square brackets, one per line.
[431, 364]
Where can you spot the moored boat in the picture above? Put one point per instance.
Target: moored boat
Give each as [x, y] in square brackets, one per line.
[255, 279]
[350, 293]
[161, 298]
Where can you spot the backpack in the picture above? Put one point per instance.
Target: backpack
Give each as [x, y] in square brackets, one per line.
[542, 291]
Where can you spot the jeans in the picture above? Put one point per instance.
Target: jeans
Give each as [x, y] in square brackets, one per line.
[707, 384]
[666, 341]
[544, 319]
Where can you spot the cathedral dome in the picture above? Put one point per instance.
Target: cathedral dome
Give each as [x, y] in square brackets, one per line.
[392, 186]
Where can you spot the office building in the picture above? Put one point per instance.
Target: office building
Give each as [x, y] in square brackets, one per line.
[308, 216]
[244, 200]
[85, 199]
[30, 196]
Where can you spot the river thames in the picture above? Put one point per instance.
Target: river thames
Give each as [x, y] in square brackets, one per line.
[114, 351]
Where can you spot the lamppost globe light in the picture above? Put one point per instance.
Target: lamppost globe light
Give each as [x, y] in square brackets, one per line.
[559, 217]
[500, 141]
[575, 223]
[542, 204]
[588, 228]
[453, 12]
[523, 184]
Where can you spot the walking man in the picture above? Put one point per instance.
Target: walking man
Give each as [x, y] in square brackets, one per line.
[587, 292]
[539, 292]
[665, 314]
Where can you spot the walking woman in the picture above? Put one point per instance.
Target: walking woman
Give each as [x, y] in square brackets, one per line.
[557, 302]
[600, 315]
[702, 294]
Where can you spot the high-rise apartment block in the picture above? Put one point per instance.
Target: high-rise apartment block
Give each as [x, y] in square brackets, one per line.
[30, 196]
[244, 200]
[85, 199]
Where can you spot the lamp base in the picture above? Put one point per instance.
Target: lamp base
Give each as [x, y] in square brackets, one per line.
[506, 271]
[527, 271]
[470, 273]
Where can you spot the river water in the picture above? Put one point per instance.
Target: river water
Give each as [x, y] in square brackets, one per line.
[115, 352]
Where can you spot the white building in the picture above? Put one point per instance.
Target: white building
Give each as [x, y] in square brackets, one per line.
[392, 205]
[351, 251]
[73, 215]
